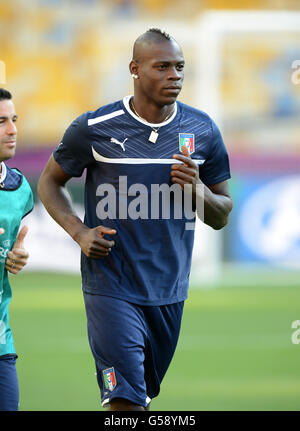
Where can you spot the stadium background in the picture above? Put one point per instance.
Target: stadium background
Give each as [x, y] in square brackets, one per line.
[237, 350]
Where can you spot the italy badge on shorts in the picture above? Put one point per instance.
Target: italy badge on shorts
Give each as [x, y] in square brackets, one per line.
[187, 139]
[109, 378]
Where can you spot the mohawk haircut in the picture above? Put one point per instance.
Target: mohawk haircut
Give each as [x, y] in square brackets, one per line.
[5, 95]
[159, 32]
[153, 35]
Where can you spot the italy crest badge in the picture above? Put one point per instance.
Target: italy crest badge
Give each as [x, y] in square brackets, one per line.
[188, 140]
[109, 378]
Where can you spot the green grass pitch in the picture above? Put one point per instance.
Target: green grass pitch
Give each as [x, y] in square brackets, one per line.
[234, 353]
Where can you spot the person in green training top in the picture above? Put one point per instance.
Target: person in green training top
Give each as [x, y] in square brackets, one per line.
[16, 201]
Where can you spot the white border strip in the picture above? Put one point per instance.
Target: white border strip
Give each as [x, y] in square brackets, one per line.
[106, 117]
[107, 400]
[138, 161]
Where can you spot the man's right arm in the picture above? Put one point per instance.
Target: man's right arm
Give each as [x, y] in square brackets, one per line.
[57, 201]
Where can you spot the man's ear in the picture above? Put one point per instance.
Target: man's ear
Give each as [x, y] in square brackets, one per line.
[133, 68]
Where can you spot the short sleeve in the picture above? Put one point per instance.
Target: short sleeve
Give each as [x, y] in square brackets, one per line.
[216, 167]
[74, 153]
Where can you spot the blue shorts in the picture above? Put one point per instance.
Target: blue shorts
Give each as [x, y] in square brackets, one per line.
[9, 387]
[132, 346]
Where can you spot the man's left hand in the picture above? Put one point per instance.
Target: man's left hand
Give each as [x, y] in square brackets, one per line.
[17, 258]
[186, 173]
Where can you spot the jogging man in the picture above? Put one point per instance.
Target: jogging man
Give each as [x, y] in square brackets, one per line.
[136, 242]
[16, 201]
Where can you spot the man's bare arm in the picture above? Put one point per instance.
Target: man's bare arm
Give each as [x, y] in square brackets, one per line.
[57, 201]
[216, 199]
[217, 205]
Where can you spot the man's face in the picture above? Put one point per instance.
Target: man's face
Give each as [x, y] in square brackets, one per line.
[8, 130]
[160, 71]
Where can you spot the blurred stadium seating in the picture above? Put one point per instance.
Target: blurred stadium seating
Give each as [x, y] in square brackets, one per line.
[66, 57]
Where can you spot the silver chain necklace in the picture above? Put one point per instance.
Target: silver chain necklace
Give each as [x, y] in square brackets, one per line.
[154, 134]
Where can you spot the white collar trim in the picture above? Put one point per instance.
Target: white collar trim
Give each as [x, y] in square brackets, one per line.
[3, 172]
[126, 104]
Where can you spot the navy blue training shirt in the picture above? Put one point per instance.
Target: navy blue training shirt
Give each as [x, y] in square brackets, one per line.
[151, 259]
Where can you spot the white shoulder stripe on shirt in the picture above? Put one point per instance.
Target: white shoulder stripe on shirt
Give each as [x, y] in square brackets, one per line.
[106, 117]
[139, 161]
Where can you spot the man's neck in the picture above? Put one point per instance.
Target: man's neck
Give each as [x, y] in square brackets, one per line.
[151, 112]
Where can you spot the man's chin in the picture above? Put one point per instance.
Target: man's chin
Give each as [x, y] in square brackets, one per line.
[168, 101]
[7, 155]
